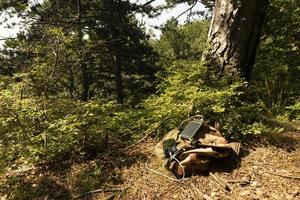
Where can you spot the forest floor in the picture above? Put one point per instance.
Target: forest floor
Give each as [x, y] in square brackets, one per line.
[266, 169]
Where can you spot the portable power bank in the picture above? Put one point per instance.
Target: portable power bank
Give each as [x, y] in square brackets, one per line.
[191, 130]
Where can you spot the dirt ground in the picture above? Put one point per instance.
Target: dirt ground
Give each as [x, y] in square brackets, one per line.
[264, 170]
[269, 170]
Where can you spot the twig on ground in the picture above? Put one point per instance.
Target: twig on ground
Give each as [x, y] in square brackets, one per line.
[159, 173]
[284, 176]
[110, 197]
[222, 183]
[238, 181]
[98, 191]
[206, 197]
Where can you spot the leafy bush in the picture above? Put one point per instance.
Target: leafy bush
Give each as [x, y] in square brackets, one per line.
[276, 72]
[43, 128]
[295, 110]
[185, 94]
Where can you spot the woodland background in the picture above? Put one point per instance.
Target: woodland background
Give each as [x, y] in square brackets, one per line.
[85, 79]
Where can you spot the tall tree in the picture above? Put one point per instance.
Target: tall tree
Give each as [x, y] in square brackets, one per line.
[83, 67]
[89, 48]
[234, 36]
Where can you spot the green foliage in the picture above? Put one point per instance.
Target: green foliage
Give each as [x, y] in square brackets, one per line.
[16, 4]
[40, 129]
[43, 116]
[183, 91]
[277, 69]
[185, 94]
[182, 41]
[39, 120]
[77, 58]
[294, 110]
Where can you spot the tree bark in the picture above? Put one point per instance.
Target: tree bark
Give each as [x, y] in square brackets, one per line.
[234, 36]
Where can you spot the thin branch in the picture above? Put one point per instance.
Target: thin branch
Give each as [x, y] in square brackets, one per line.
[9, 38]
[244, 182]
[187, 10]
[55, 60]
[168, 6]
[99, 191]
[44, 36]
[159, 173]
[285, 176]
[148, 3]
[219, 181]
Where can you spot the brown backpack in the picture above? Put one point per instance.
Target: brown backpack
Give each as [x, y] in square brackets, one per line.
[185, 157]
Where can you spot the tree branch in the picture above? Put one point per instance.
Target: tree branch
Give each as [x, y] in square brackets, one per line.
[189, 9]
[9, 38]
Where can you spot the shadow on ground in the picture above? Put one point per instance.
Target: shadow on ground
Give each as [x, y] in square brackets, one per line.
[69, 177]
[287, 141]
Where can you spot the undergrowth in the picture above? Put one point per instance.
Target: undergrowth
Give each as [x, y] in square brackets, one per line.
[38, 129]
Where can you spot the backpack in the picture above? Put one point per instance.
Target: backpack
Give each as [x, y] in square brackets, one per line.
[189, 151]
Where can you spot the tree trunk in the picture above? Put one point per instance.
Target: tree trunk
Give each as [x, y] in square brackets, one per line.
[71, 82]
[118, 78]
[234, 36]
[85, 83]
[82, 64]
